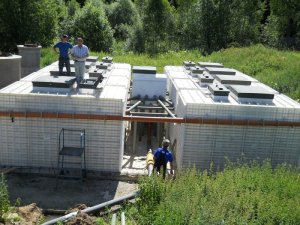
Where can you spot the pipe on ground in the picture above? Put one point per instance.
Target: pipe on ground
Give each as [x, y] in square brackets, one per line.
[93, 208]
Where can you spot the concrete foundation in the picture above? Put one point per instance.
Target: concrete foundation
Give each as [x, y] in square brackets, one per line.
[10, 70]
[30, 59]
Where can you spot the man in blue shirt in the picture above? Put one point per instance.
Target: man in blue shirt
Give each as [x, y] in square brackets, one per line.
[80, 52]
[162, 156]
[64, 50]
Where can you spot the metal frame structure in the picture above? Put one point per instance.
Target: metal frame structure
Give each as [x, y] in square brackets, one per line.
[65, 151]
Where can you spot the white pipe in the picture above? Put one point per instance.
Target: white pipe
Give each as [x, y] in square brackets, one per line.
[93, 208]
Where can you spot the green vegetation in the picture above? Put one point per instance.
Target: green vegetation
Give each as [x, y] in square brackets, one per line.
[152, 26]
[4, 198]
[241, 194]
[31, 22]
[279, 69]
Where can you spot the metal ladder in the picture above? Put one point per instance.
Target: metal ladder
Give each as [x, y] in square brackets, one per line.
[71, 153]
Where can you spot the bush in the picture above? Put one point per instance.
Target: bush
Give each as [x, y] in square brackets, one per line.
[91, 23]
[27, 21]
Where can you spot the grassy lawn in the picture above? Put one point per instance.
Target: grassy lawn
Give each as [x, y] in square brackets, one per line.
[278, 69]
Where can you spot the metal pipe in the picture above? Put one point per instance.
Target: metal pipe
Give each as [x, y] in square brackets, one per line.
[93, 208]
[134, 106]
[213, 121]
[114, 219]
[166, 108]
[148, 114]
[134, 137]
[123, 218]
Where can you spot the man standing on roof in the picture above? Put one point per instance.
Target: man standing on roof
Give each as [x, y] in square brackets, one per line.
[162, 156]
[64, 48]
[80, 52]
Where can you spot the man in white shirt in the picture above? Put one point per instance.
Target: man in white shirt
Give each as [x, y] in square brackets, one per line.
[80, 52]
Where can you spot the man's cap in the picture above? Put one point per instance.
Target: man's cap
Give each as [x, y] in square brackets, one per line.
[65, 36]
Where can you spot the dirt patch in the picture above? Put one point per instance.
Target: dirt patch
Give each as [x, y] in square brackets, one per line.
[30, 214]
[68, 193]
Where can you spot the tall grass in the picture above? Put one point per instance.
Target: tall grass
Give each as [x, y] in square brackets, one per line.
[4, 197]
[243, 194]
[278, 69]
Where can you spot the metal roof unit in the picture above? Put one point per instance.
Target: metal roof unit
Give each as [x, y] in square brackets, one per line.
[107, 59]
[210, 64]
[220, 71]
[251, 94]
[55, 72]
[188, 64]
[144, 69]
[205, 79]
[237, 80]
[54, 81]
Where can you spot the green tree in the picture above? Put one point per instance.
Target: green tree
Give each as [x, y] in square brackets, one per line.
[156, 27]
[122, 14]
[211, 25]
[23, 21]
[91, 23]
[283, 27]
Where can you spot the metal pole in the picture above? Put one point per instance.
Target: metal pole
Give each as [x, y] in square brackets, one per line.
[93, 208]
[122, 218]
[114, 219]
[134, 106]
[134, 137]
[166, 108]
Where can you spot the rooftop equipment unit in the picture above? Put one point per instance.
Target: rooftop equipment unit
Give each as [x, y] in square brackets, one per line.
[220, 71]
[147, 83]
[107, 59]
[229, 80]
[188, 64]
[205, 79]
[97, 72]
[103, 65]
[55, 72]
[196, 70]
[88, 64]
[89, 86]
[210, 64]
[251, 95]
[92, 59]
[53, 83]
[219, 92]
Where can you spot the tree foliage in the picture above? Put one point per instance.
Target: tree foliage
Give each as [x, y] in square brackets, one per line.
[21, 21]
[211, 25]
[283, 27]
[91, 23]
[122, 14]
[157, 23]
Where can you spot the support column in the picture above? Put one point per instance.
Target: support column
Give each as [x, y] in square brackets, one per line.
[134, 137]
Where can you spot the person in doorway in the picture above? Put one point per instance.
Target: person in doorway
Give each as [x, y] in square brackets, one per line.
[79, 53]
[162, 156]
[64, 48]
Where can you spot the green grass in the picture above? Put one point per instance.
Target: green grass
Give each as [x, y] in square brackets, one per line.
[278, 69]
[242, 194]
